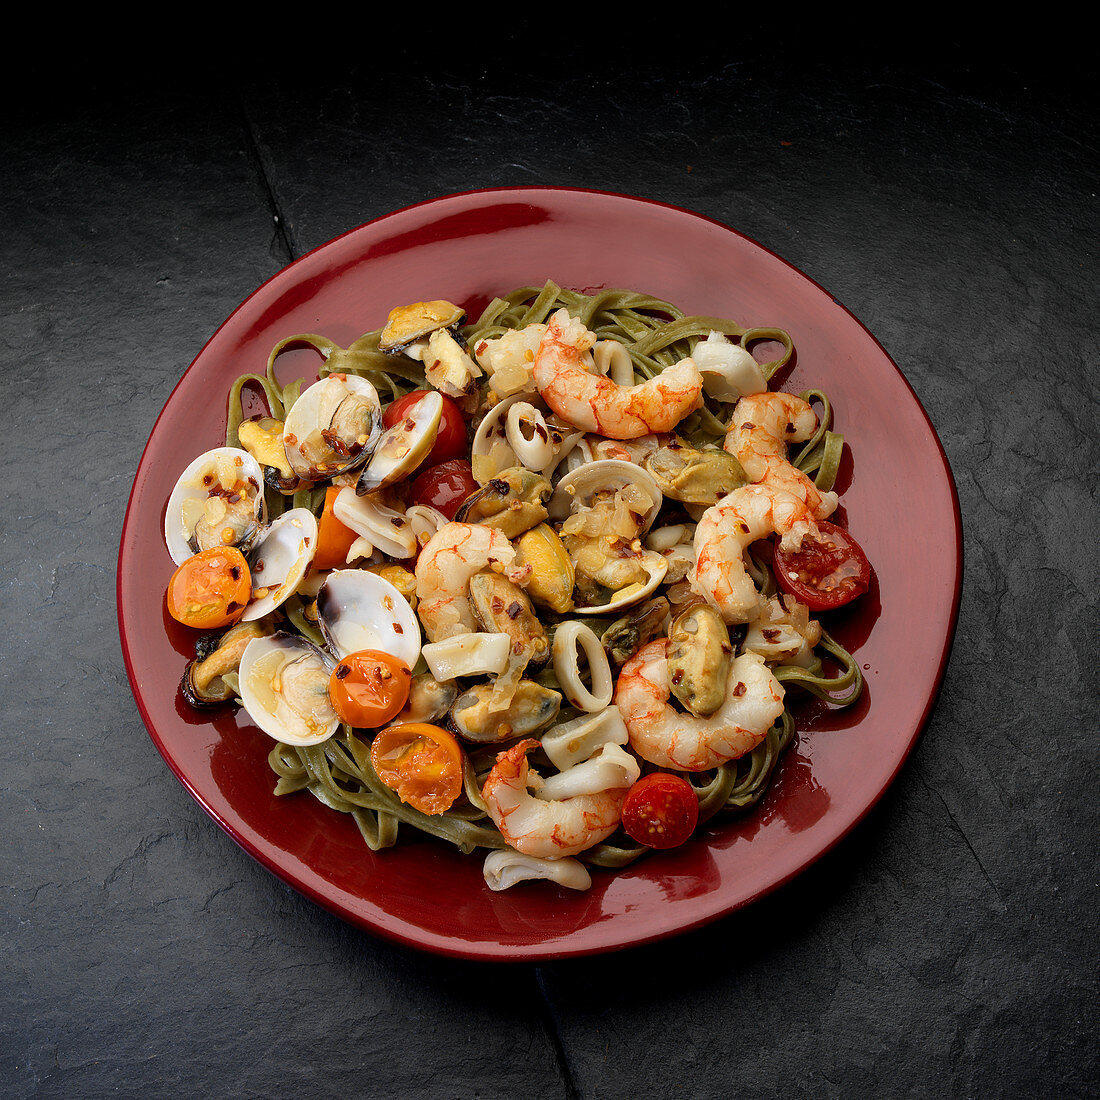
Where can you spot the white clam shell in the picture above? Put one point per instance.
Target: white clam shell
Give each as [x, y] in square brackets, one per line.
[280, 561]
[578, 487]
[313, 411]
[190, 491]
[655, 565]
[357, 610]
[284, 687]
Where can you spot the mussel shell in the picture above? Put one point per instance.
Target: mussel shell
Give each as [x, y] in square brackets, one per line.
[532, 708]
[699, 655]
[512, 502]
[408, 323]
[694, 476]
[502, 607]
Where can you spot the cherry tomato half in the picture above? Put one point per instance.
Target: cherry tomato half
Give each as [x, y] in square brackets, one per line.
[334, 540]
[368, 688]
[450, 441]
[444, 486]
[825, 572]
[661, 810]
[422, 763]
[210, 589]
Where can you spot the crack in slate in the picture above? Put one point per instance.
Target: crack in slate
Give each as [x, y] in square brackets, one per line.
[283, 237]
[550, 1021]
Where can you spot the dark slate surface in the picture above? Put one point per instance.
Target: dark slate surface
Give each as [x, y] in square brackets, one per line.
[947, 948]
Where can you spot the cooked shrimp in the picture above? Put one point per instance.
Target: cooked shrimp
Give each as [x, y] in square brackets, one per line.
[594, 402]
[671, 738]
[443, 570]
[723, 532]
[763, 425]
[541, 828]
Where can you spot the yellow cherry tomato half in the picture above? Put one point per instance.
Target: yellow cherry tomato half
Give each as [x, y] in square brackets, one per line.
[334, 539]
[422, 763]
[210, 589]
[369, 688]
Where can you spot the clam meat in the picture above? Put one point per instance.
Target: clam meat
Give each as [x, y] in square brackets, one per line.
[217, 502]
[332, 427]
[284, 687]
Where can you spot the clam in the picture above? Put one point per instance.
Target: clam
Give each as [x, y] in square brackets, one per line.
[512, 502]
[604, 480]
[332, 427]
[357, 609]
[517, 419]
[653, 568]
[284, 688]
[417, 321]
[280, 560]
[532, 708]
[217, 501]
[404, 446]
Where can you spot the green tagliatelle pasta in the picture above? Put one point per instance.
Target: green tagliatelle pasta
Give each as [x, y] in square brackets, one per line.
[657, 335]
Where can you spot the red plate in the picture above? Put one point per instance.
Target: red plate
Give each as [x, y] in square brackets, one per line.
[898, 498]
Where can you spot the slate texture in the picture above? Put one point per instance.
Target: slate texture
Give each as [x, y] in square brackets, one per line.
[947, 948]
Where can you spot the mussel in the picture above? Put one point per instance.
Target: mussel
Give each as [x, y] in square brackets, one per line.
[512, 502]
[532, 708]
[699, 655]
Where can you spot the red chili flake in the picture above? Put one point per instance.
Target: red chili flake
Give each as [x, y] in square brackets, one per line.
[342, 671]
[739, 690]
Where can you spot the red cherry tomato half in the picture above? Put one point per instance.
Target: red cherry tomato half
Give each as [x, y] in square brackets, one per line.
[444, 486]
[450, 442]
[825, 572]
[661, 810]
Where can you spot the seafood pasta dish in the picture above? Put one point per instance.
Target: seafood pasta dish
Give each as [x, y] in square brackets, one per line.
[541, 584]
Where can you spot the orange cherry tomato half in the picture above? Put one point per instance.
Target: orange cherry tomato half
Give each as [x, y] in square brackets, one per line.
[369, 688]
[422, 763]
[827, 571]
[450, 440]
[661, 810]
[333, 538]
[210, 589]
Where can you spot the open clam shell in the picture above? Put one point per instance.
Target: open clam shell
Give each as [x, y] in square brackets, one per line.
[280, 561]
[332, 427]
[284, 687]
[357, 609]
[217, 501]
[579, 487]
[655, 567]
